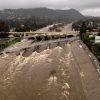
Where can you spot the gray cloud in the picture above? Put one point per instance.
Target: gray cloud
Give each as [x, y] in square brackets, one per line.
[87, 7]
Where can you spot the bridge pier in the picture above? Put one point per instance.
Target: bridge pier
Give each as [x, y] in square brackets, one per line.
[24, 35]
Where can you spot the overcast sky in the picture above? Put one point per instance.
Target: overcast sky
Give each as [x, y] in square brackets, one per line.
[87, 7]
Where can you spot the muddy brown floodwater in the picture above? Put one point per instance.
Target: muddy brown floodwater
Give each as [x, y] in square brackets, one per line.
[44, 75]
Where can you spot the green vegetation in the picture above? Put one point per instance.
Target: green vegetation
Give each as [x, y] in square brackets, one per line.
[85, 31]
[7, 42]
[26, 27]
[4, 28]
[96, 50]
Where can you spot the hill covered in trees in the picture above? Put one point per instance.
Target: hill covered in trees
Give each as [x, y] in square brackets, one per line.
[42, 14]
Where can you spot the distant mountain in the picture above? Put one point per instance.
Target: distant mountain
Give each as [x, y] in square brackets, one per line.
[42, 13]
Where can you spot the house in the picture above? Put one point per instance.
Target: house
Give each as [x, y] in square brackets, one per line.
[97, 39]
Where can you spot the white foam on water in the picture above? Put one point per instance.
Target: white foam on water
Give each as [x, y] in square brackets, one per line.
[56, 52]
[80, 46]
[52, 80]
[64, 73]
[49, 60]
[5, 55]
[68, 59]
[17, 64]
[82, 74]
[34, 57]
[65, 92]
[66, 86]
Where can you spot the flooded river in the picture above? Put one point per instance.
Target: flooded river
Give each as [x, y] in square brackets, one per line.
[42, 74]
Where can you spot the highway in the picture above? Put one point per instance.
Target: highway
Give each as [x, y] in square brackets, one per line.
[54, 70]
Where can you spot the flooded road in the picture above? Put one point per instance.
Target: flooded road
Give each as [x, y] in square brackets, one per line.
[60, 70]
[50, 71]
[42, 75]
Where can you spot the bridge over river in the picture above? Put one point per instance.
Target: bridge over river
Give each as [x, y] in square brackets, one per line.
[58, 68]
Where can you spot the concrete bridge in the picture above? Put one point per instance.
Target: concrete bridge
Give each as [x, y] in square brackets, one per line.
[41, 40]
[42, 33]
[38, 36]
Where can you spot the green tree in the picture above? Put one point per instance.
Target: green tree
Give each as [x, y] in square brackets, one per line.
[4, 28]
[98, 34]
[83, 29]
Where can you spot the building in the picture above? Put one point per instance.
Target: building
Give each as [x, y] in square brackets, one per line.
[97, 39]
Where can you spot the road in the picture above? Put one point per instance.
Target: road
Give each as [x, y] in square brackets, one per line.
[52, 71]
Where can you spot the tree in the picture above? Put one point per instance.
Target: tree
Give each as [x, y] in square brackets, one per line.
[98, 34]
[4, 28]
[83, 29]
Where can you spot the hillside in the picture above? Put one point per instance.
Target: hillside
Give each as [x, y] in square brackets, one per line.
[42, 13]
